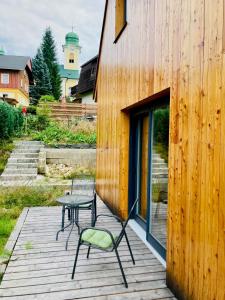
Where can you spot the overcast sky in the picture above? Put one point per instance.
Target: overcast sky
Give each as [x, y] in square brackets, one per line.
[22, 23]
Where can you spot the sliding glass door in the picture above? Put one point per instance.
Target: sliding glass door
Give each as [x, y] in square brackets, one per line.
[149, 172]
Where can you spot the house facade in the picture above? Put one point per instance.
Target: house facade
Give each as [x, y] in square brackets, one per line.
[15, 78]
[83, 91]
[69, 71]
[160, 91]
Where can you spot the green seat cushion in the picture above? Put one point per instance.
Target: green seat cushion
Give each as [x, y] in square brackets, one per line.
[97, 238]
[85, 205]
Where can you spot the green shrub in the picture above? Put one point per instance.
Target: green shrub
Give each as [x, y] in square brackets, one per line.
[32, 110]
[44, 110]
[47, 98]
[6, 147]
[36, 123]
[11, 120]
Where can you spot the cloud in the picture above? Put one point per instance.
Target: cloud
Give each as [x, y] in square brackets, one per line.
[23, 22]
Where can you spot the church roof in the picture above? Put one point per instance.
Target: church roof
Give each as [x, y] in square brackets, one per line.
[70, 74]
[72, 38]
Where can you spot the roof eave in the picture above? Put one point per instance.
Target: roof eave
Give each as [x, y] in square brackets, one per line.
[100, 49]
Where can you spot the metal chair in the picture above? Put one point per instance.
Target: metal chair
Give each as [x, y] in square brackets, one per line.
[103, 239]
[92, 206]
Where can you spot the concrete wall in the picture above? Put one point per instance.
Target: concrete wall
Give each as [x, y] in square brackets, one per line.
[73, 157]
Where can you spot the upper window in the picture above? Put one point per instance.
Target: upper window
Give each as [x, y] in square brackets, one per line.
[71, 58]
[120, 14]
[5, 78]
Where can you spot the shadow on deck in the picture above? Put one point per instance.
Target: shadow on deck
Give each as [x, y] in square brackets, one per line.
[40, 268]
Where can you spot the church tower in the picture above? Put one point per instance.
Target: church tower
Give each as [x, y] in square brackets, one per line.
[71, 51]
[69, 71]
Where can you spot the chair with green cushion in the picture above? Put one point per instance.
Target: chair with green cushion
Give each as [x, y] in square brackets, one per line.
[103, 239]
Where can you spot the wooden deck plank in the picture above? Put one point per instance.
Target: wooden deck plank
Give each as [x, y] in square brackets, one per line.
[43, 269]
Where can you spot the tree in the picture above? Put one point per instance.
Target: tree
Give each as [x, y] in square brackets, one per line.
[49, 53]
[42, 82]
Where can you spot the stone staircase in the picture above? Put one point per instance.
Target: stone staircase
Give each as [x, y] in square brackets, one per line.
[159, 167]
[23, 161]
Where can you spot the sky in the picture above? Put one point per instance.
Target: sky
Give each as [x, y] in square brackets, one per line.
[22, 24]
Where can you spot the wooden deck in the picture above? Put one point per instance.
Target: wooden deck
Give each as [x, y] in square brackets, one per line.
[40, 268]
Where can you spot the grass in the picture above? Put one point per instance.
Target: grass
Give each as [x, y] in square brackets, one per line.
[6, 147]
[56, 133]
[12, 202]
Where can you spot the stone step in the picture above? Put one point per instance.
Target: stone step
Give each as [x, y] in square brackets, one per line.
[28, 143]
[27, 147]
[24, 155]
[23, 160]
[159, 165]
[21, 165]
[21, 150]
[157, 160]
[18, 171]
[13, 177]
[160, 175]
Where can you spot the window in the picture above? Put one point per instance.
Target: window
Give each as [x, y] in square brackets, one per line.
[5, 78]
[120, 21]
[71, 61]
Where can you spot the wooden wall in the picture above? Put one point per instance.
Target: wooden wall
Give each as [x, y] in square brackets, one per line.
[15, 78]
[176, 44]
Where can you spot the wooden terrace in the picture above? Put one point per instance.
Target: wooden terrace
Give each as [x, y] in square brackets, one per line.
[40, 267]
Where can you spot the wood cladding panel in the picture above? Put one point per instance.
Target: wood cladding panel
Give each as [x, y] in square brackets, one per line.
[178, 45]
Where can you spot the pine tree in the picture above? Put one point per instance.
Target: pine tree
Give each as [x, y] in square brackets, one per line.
[42, 84]
[49, 53]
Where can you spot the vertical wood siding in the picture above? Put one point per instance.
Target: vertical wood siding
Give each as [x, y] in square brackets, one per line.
[174, 44]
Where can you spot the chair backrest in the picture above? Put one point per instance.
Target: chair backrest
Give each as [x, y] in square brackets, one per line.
[125, 224]
[91, 186]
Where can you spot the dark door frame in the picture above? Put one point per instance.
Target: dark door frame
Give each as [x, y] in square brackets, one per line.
[146, 109]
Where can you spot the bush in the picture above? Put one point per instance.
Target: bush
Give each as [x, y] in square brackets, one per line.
[36, 123]
[44, 110]
[11, 120]
[47, 98]
[32, 110]
[6, 147]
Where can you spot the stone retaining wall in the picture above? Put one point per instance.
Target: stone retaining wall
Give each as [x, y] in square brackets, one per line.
[73, 157]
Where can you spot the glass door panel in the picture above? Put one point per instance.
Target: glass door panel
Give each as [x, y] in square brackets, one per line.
[144, 168]
[159, 174]
[149, 172]
[141, 158]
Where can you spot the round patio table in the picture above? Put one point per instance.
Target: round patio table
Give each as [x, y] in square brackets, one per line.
[73, 202]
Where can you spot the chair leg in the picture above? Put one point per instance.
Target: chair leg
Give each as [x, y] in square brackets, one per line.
[129, 247]
[69, 214]
[63, 217]
[121, 268]
[75, 261]
[89, 248]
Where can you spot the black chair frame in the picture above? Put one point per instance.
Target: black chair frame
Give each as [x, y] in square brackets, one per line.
[115, 243]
